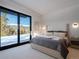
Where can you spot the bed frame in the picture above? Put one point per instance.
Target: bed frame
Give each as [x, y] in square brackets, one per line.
[49, 51]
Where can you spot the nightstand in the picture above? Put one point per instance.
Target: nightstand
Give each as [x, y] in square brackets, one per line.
[75, 41]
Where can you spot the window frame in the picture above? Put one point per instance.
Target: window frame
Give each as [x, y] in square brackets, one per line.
[18, 25]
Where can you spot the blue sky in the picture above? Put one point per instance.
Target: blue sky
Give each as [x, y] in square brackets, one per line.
[12, 19]
[24, 20]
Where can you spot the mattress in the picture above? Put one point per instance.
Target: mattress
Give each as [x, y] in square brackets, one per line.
[55, 45]
[48, 51]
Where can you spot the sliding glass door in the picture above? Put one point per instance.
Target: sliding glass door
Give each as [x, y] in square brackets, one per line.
[8, 27]
[24, 28]
[15, 27]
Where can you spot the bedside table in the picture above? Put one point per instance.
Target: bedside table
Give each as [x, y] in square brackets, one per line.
[75, 41]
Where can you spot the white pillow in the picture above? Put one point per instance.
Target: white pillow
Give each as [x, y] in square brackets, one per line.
[49, 34]
[61, 35]
[55, 38]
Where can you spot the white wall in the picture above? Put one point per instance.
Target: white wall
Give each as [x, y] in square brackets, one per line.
[54, 21]
[59, 19]
[36, 17]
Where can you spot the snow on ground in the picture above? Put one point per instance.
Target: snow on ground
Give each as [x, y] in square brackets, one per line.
[7, 40]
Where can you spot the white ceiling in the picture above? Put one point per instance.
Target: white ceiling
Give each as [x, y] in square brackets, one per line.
[47, 6]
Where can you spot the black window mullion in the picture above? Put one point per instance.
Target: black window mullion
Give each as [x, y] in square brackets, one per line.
[18, 28]
[30, 27]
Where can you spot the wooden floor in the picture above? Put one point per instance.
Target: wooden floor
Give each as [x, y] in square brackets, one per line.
[73, 53]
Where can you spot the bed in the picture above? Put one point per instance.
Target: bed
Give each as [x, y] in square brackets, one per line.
[53, 46]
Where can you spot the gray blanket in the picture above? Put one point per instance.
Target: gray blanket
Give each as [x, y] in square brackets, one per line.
[59, 45]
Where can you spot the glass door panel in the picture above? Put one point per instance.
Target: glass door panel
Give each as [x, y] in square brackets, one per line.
[8, 27]
[24, 28]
